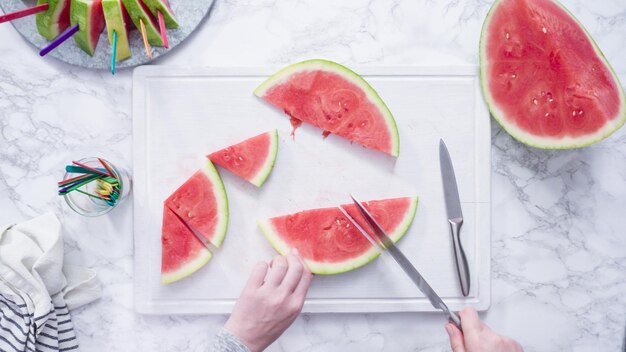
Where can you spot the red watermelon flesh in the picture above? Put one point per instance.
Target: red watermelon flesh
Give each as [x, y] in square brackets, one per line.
[328, 241]
[89, 16]
[202, 204]
[335, 99]
[54, 20]
[252, 159]
[544, 78]
[181, 252]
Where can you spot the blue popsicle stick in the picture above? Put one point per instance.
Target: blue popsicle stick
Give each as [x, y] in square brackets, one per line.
[114, 53]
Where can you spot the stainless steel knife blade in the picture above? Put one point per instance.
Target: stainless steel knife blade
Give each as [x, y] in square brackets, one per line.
[455, 215]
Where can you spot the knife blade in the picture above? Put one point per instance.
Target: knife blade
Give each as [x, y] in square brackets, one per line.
[455, 215]
[200, 238]
[383, 242]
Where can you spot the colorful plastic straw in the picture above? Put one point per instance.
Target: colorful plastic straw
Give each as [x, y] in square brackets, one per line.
[114, 53]
[59, 40]
[163, 30]
[107, 188]
[23, 13]
[145, 39]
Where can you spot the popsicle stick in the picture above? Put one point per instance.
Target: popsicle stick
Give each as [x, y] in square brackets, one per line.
[91, 169]
[73, 187]
[163, 30]
[107, 167]
[86, 179]
[93, 195]
[70, 180]
[114, 52]
[59, 40]
[23, 13]
[145, 39]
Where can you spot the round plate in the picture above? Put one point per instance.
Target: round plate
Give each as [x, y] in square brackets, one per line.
[188, 13]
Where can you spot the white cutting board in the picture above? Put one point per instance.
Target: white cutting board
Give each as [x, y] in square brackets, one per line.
[180, 115]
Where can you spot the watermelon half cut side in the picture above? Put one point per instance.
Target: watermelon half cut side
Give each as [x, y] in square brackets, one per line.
[54, 20]
[202, 204]
[138, 10]
[252, 159]
[544, 78]
[334, 98]
[327, 240]
[164, 8]
[182, 253]
[118, 21]
[90, 19]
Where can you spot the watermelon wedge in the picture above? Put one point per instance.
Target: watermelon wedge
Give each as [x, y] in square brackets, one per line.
[88, 15]
[54, 20]
[335, 99]
[327, 240]
[202, 204]
[164, 8]
[544, 78]
[138, 10]
[182, 253]
[252, 159]
[118, 21]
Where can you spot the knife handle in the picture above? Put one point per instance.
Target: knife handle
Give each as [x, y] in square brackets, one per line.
[459, 255]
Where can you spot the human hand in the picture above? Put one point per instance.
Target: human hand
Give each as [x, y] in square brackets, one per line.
[270, 301]
[477, 337]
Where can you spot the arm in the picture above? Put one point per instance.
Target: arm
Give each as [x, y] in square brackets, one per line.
[269, 303]
[478, 337]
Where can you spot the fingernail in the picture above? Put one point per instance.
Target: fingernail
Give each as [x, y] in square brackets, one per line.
[449, 329]
[294, 250]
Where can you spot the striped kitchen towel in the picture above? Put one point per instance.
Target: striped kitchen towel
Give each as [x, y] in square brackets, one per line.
[37, 291]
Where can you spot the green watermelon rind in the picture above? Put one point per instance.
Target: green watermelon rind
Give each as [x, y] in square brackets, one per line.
[321, 268]
[268, 165]
[44, 21]
[222, 203]
[203, 257]
[546, 142]
[80, 13]
[157, 6]
[112, 11]
[348, 74]
[137, 12]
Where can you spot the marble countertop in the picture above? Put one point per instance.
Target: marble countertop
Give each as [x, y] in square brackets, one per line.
[558, 245]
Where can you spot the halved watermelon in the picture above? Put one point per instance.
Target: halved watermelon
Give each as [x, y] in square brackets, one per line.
[544, 78]
[88, 14]
[54, 20]
[202, 204]
[137, 10]
[181, 252]
[164, 8]
[327, 240]
[252, 159]
[335, 99]
[118, 21]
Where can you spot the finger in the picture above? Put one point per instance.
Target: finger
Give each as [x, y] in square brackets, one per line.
[303, 286]
[277, 271]
[256, 276]
[470, 322]
[294, 273]
[456, 338]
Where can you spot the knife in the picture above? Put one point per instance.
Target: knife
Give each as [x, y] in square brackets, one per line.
[200, 238]
[455, 215]
[383, 242]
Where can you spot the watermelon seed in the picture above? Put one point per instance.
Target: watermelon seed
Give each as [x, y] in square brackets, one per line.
[543, 29]
[547, 114]
[550, 97]
[535, 101]
[513, 75]
[507, 35]
[580, 112]
[573, 113]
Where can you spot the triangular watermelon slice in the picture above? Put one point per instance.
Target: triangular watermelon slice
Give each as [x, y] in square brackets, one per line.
[138, 10]
[327, 240]
[88, 15]
[335, 99]
[118, 21]
[181, 252]
[252, 159]
[202, 204]
[54, 20]
[164, 8]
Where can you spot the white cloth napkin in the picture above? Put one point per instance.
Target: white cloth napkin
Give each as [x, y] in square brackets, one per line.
[37, 290]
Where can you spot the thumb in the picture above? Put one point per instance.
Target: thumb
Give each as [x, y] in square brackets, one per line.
[456, 338]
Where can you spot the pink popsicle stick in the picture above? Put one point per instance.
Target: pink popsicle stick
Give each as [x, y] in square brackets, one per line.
[23, 13]
[163, 30]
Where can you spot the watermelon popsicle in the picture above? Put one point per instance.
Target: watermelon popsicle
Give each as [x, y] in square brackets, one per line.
[137, 11]
[88, 15]
[54, 20]
[118, 21]
[164, 8]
